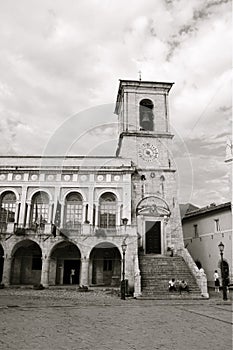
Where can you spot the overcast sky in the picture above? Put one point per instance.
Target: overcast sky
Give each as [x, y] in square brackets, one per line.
[60, 58]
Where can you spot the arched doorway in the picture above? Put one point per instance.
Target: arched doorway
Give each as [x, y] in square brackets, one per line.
[107, 210]
[26, 263]
[7, 209]
[73, 211]
[1, 262]
[65, 264]
[39, 214]
[152, 212]
[105, 261]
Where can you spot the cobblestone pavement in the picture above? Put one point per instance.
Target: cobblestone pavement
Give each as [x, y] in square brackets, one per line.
[67, 319]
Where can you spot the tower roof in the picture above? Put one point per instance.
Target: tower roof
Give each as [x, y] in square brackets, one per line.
[137, 84]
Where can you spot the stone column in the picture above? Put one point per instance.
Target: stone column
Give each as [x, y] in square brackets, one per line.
[45, 271]
[137, 278]
[62, 214]
[23, 205]
[16, 212]
[84, 280]
[6, 271]
[96, 214]
[28, 213]
[50, 213]
[84, 212]
[118, 214]
[91, 204]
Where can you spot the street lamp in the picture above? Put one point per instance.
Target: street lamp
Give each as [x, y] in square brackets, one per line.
[124, 221]
[123, 247]
[224, 287]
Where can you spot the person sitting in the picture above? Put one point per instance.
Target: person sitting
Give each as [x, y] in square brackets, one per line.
[183, 286]
[172, 285]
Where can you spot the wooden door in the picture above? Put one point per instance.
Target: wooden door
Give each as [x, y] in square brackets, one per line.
[153, 237]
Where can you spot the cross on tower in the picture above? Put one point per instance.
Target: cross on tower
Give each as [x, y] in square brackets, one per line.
[140, 75]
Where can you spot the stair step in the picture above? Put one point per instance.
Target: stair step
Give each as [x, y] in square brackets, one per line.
[156, 271]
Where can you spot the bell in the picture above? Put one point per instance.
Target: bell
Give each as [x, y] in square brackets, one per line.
[146, 117]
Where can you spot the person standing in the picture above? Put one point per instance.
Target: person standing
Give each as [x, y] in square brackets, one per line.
[72, 276]
[216, 281]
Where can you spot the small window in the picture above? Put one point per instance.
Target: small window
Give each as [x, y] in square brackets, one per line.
[217, 225]
[195, 230]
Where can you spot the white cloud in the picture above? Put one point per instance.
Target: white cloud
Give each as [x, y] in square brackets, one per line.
[60, 58]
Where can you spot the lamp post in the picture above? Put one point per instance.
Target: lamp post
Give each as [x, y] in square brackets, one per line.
[224, 287]
[124, 247]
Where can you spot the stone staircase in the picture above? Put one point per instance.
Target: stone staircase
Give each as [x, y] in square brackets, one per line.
[157, 270]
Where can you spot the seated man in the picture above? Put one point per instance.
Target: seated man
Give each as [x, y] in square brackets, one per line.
[183, 286]
[172, 285]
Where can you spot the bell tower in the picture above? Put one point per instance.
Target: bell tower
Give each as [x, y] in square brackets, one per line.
[143, 121]
[145, 138]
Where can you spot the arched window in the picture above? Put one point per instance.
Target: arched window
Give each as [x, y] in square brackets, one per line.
[40, 209]
[8, 205]
[107, 210]
[146, 115]
[73, 210]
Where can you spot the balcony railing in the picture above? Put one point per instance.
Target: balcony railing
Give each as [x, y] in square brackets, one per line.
[68, 231]
[7, 227]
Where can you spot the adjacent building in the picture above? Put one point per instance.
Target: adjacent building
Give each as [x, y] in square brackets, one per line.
[203, 229]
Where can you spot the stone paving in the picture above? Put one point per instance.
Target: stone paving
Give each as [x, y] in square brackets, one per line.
[67, 319]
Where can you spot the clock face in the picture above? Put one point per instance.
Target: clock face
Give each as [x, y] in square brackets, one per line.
[148, 152]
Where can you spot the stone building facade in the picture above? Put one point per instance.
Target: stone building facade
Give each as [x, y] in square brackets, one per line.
[203, 229]
[64, 219]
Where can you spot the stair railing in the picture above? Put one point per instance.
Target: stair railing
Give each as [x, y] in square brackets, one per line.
[199, 276]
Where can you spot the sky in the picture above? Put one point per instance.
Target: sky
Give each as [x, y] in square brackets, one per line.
[60, 65]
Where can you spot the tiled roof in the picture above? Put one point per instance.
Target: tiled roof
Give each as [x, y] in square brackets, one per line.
[205, 210]
[186, 208]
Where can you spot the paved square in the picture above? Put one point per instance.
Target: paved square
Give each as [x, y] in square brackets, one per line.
[60, 319]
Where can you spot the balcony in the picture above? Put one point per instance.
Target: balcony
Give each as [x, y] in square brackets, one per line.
[38, 229]
[101, 232]
[68, 232]
[7, 227]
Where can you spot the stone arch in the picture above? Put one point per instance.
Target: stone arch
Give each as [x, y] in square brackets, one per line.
[105, 265]
[73, 190]
[26, 263]
[152, 218]
[65, 263]
[146, 117]
[109, 190]
[44, 190]
[153, 205]
[10, 189]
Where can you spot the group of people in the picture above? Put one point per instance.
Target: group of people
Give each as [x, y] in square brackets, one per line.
[181, 286]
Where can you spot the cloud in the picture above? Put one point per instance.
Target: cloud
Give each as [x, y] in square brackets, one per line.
[59, 61]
